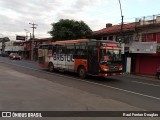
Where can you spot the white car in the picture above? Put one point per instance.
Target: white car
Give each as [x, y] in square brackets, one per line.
[15, 56]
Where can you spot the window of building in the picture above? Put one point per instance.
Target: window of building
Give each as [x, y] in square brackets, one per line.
[110, 37]
[127, 39]
[150, 37]
[124, 39]
[144, 37]
[158, 37]
[105, 38]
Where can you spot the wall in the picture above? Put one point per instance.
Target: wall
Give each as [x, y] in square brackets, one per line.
[147, 63]
[14, 48]
[10, 47]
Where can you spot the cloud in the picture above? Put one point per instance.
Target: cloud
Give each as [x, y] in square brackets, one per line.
[16, 14]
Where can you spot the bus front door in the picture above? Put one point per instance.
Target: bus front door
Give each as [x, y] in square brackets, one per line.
[93, 66]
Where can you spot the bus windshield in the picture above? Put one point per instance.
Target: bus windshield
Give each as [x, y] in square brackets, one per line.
[110, 55]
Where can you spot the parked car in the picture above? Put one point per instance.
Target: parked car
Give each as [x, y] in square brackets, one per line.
[158, 73]
[15, 56]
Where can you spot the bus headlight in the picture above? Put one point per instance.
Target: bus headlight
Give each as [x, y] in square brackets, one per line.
[105, 69]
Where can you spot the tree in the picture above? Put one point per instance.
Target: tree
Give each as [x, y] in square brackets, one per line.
[3, 40]
[67, 29]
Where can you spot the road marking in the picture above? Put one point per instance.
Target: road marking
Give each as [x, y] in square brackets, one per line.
[124, 90]
[146, 83]
[92, 83]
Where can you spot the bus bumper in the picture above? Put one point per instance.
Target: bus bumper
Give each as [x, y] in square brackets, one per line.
[109, 74]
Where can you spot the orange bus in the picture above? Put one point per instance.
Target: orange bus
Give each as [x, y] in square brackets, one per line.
[83, 56]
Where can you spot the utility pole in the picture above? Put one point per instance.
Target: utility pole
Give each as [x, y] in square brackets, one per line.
[121, 19]
[32, 48]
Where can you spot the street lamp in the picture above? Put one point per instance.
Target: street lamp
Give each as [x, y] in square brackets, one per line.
[33, 27]
[27, 31]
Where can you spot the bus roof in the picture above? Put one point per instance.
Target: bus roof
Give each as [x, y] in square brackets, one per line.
[82, 40]
[71, 41]
[109, 42]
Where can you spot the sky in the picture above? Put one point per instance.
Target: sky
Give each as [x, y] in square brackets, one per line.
[15, 15]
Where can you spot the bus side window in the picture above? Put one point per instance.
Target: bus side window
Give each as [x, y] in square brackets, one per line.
[81, 51]
[50, 47]
[77, 49]
[84, 50]
[40, 47]
[54, 49]
[70, 49]
[61, 50]
[93, 50]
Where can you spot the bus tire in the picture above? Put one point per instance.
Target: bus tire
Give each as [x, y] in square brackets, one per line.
[51, 67]
[82, 72]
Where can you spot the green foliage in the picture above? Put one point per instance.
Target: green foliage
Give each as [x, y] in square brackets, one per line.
[5, 39]
[67, 29]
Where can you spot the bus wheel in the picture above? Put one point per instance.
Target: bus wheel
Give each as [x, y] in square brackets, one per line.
[82, 72]
[51, 67]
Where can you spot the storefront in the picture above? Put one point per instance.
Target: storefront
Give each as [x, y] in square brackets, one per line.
[147, 63]
[145, 58]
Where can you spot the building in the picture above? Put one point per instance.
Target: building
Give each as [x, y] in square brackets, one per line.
[13, 46]
[36, 43]
[0, 48]
[141, 40]
[145, 49]
[24, 48]
[2, 45]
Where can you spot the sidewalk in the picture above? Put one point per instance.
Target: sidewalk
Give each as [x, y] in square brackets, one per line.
[139, 76]
[33, 61]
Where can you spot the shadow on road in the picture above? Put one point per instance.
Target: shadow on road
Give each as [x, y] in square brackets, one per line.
[90, 78]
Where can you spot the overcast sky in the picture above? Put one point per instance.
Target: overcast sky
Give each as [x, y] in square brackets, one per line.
[15, 15]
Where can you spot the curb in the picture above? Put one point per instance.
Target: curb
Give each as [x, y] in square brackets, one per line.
[141, 77]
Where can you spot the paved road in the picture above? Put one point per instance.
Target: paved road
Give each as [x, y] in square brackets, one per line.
[139, 92]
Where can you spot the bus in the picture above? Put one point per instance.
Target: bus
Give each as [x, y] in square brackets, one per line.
[82, 56]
